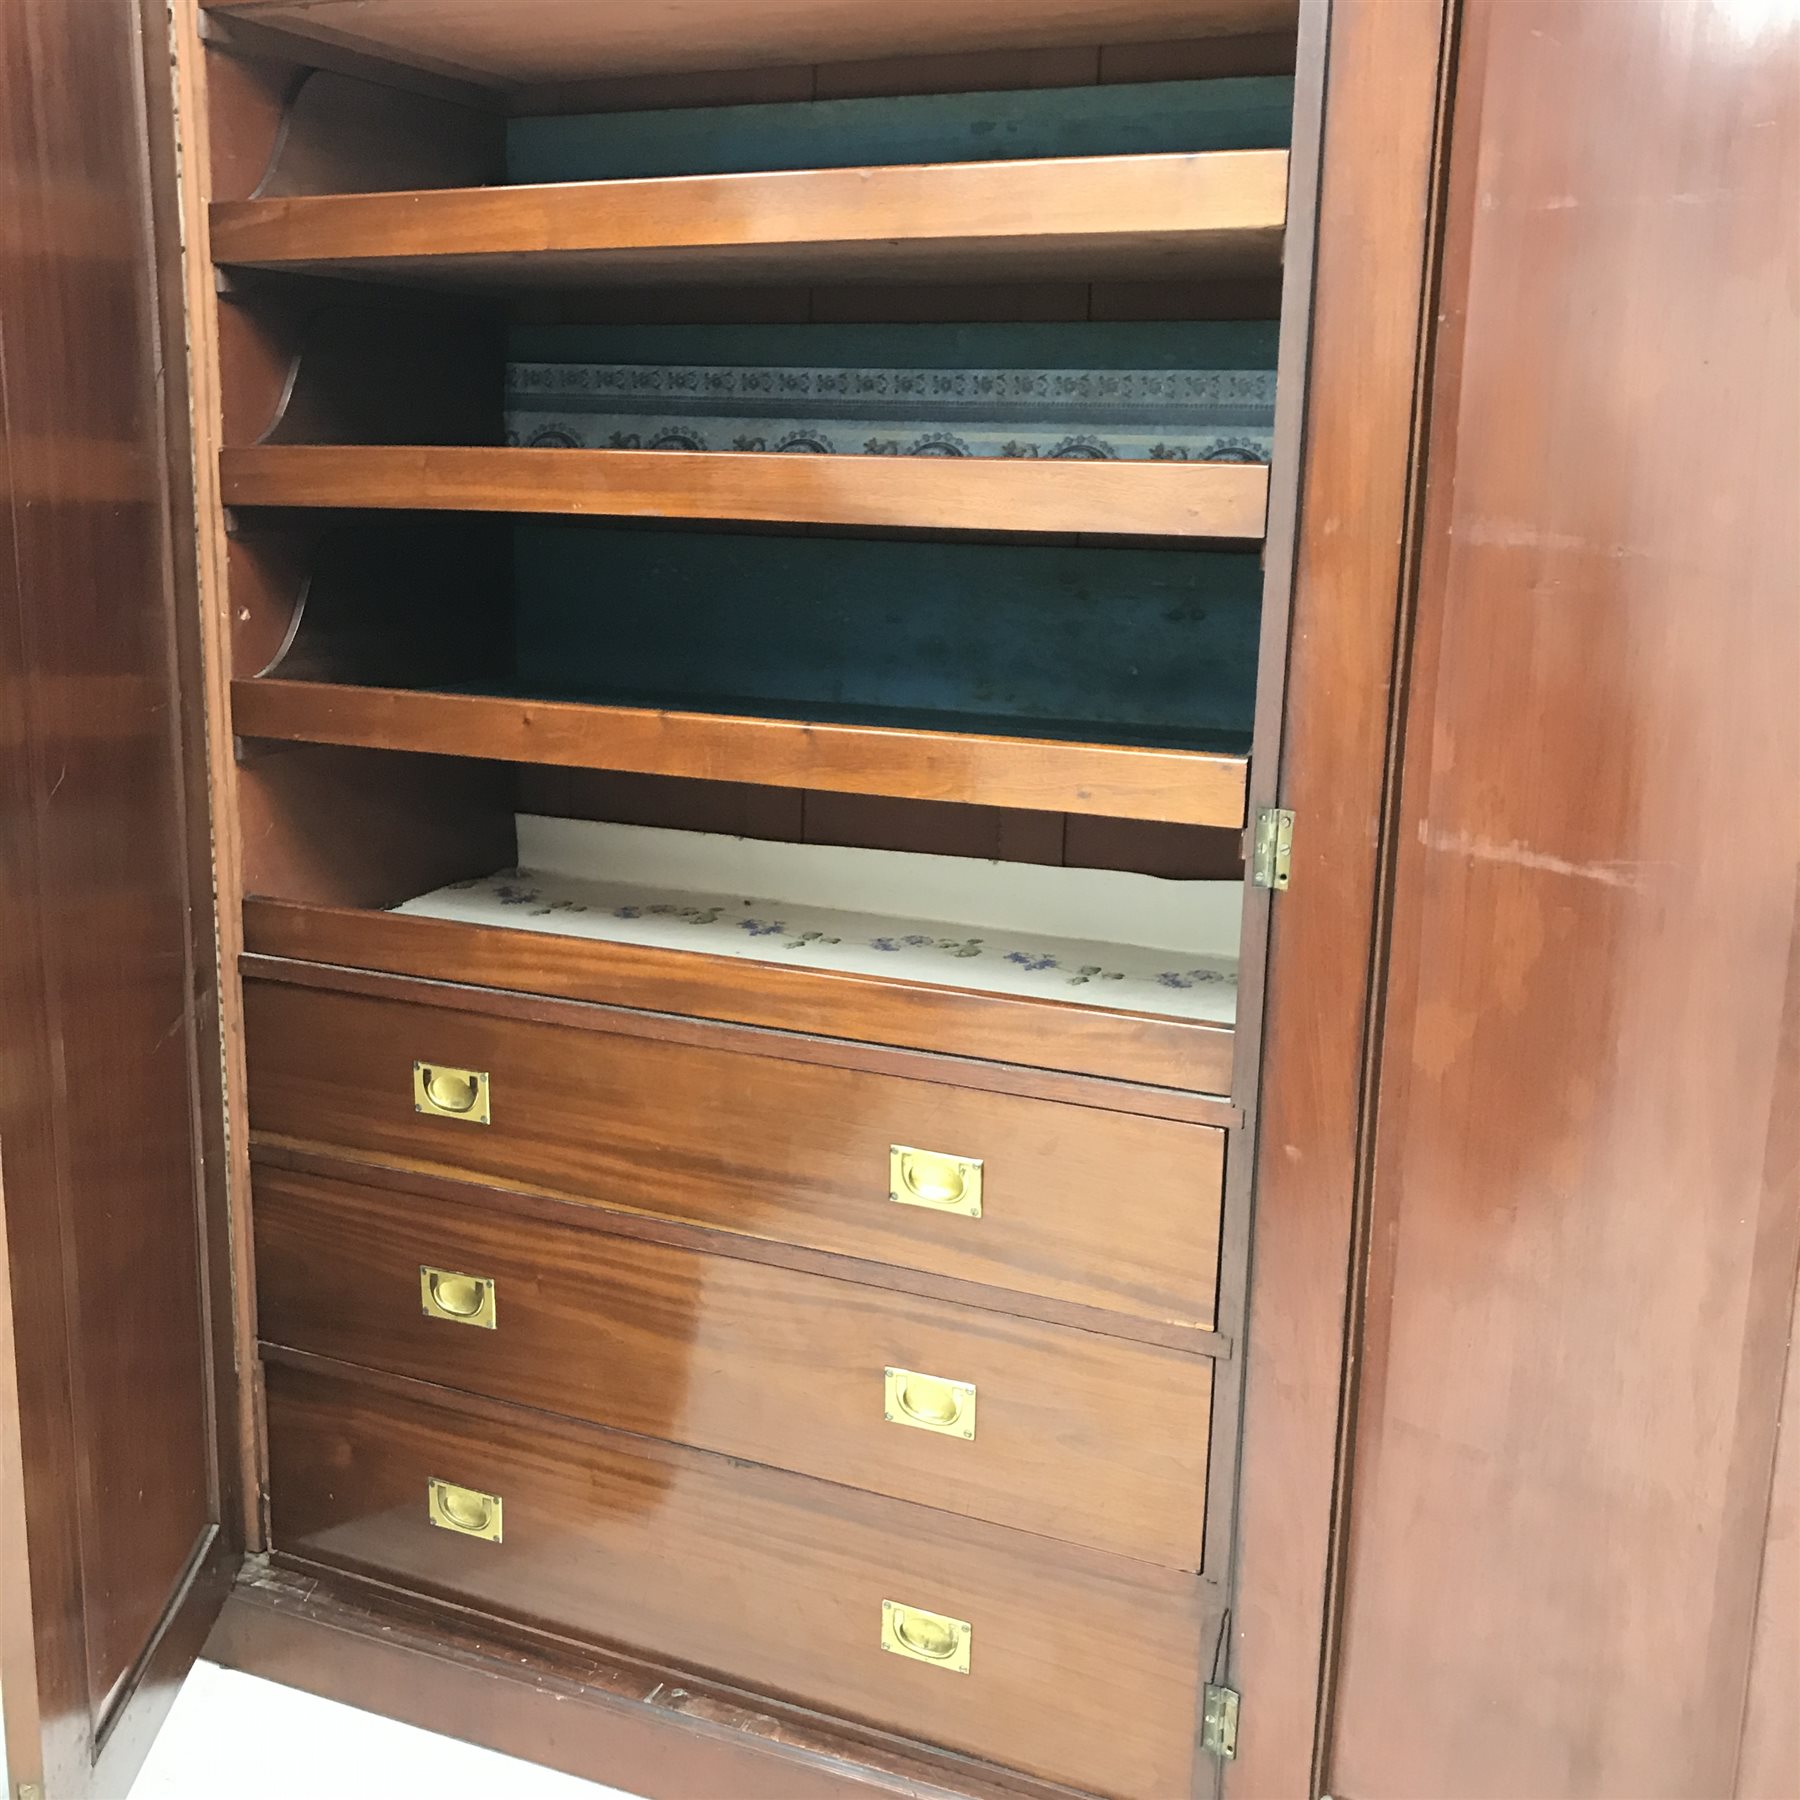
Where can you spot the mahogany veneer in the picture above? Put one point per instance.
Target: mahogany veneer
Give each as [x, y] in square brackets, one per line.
[1198, 500]
[1494, 1309]
[1586, 1154]
[1155, 217]
[751, 1573]
[500, 43]
[1120, 781]
[118, 1466]
[1077, 1435]
[1108, 1209]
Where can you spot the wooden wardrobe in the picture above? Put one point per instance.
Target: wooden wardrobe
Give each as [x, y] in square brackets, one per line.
[902, 899]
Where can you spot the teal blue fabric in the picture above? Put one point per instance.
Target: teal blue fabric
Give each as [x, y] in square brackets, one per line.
[1155, 646]
[1155, 344]
[1240, 113]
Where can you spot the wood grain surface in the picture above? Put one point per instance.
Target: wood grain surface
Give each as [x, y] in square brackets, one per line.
[113, 1560]
[1106, 1209]
[1150, 217]
[1586, 1223]
[1083, 1666]
[1380, 65]
[1077, 1435]
[494, 43]
[1195, 500]
[1183, 787]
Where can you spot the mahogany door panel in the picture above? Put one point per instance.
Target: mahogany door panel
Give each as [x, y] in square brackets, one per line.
[1101, 1208]
[1048, 1429]
[1081, 1666]
[1365, 157]
[1585, 1220]
[104, 940]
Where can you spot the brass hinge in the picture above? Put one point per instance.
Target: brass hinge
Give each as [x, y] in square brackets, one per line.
[29, 1790]
[1219, 1723]
[1272, 848]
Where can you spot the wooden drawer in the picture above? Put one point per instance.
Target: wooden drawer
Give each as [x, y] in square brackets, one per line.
[1079, 1204]
[1083, 1667]
[1077, 1435]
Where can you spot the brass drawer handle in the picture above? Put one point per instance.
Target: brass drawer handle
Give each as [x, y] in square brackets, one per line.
[462, 1299]
[932, 1178]
[926, 1637]
[465, 1510]
[447, 1093]
[929, 1403]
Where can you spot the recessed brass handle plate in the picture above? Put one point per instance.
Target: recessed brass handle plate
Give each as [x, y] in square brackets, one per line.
[929, 1403]
[464, 1510]
[461, 1299]
[926, 1637]
[932, 1178]
[447, 1093]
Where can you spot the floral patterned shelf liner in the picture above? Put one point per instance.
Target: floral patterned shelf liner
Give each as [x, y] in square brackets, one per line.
[993, 958]
[1189, 415]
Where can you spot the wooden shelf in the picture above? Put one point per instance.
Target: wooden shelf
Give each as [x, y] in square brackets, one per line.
[1157, 217]
[1058, 1035]
[505, 43]
[1182, 787]
[1193, 500]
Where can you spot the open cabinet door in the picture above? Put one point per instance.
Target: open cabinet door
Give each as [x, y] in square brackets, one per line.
[113, 1554]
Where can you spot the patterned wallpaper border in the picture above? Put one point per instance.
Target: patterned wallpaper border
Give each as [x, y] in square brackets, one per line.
[1208, 415]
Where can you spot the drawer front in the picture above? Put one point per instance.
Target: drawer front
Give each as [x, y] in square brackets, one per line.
[1077, 1204]
[1082, 1667]
[1075, 1434]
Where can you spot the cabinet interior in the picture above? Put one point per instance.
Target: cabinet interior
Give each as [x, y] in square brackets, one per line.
[756, 590]
[865, 449]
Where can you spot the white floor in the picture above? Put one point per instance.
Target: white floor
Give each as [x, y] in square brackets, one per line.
[216, 1746]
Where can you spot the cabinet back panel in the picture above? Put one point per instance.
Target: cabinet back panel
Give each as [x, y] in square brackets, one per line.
[906, 344]
[1158, 640]
[1023, 635]
[1251, 113]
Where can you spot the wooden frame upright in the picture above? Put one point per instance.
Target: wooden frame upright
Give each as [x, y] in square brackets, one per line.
[1334, 620]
